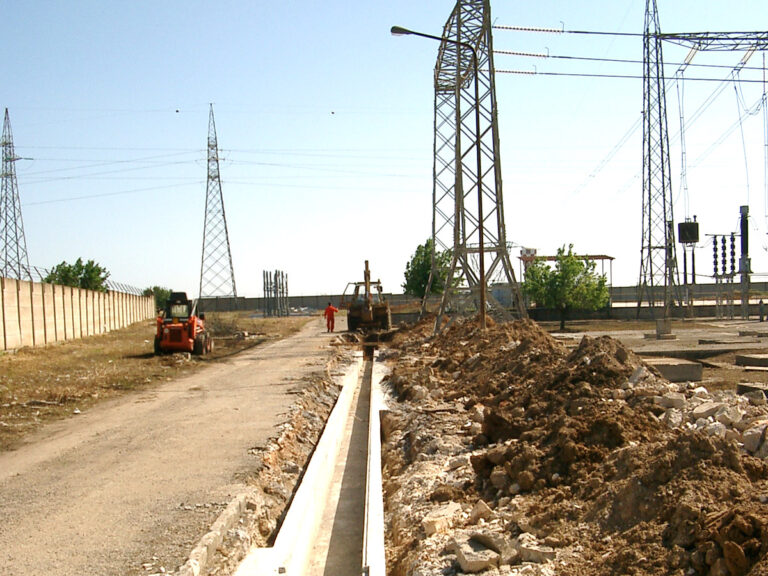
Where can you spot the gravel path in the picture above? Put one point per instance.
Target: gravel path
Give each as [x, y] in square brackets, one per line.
[130, 486]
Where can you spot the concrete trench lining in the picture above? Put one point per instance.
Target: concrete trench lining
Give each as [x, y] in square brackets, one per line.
[289, 553]
[293, 544]
[202, 556]
[374, 554]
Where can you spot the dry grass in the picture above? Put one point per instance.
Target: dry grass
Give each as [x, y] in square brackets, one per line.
[42, 384]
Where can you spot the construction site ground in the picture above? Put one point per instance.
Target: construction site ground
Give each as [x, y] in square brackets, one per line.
[515, 451]
[129, 485]
[511, 451]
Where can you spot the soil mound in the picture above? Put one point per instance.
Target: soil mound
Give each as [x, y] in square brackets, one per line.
[586, 460]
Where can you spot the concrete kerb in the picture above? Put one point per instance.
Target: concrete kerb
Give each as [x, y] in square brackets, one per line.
[289, 554]
[202, 555]
[374, 553]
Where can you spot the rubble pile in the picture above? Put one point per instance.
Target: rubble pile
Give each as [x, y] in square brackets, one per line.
[507, 453]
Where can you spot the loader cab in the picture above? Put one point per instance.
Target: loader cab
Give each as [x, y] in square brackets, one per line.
[178, 308]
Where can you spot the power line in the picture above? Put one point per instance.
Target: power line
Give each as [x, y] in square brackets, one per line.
[563, 31]
[619, 76]
[611, 60]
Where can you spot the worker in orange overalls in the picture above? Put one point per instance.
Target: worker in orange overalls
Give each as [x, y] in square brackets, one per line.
[329, 317]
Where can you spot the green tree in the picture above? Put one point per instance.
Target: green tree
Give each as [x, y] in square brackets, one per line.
[89, 276]
[161, 295]
[572, 284]
[417, 271]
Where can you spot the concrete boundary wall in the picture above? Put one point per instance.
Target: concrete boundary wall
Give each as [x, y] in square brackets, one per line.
[36, 314]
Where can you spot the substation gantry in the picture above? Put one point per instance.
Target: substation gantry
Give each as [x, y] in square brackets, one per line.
[467, 200]
[658, 284]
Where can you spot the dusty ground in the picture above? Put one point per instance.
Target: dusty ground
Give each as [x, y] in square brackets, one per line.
[39, 385]
[507, 452]
[130, 486]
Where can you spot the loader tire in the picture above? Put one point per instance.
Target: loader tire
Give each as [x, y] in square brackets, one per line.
[199, 346]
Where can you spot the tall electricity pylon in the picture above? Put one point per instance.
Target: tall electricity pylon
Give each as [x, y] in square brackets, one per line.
[14, 262]
[456, 215]
[658, 263]
[217, 276]
[658, 268]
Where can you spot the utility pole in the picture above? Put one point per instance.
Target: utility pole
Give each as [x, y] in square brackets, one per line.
[217, 276]
[14, 262]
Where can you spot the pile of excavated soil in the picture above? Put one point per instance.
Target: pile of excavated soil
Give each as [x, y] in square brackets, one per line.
[507, 453]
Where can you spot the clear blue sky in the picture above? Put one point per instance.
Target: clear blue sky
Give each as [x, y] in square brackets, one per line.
[325, 129]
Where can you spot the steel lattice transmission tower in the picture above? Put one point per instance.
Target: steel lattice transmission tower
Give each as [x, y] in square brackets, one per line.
[217, 276]
[658, 264]
[14, 262]
[455, 222]
[658, 268]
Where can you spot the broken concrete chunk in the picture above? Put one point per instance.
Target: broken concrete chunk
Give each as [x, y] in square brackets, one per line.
[716, 429]
[706, 409]
[440, 519]
[498, 543]
[673, 418]
[473, 556]
[640, 373]
[729, 415]
[481, 510]
[476, 413]
[756, 398]
[531, 550]
[673, 400]
[499, 478]
[752, 438]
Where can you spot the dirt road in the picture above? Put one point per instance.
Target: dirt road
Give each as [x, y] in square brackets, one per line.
[137, 481]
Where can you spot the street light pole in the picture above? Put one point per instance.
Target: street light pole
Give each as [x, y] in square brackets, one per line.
[398, 31]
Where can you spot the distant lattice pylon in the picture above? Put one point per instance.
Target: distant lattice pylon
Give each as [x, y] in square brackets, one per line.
[217, 276]
[14, 262]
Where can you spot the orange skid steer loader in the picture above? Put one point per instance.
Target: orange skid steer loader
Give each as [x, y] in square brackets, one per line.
[180, 329]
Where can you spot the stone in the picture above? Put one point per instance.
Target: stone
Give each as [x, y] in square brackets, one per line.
[440, 519]
[673, 400]
[497, 454]
[476, 413]
[473, 556]
[458, 462]
[715, 429]
[673, 418]
[480, 510]
[498, 543]
[526, 480]
[729, 415]
[756, 398]
[418, 393]
[752, 438]
[640, 373]
[531, 550]
[706, 409]
[734, 557]
[700, 392]
[499, 478]
[732, 435]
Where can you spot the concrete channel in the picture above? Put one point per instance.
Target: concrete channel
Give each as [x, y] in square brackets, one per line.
[335, 523]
